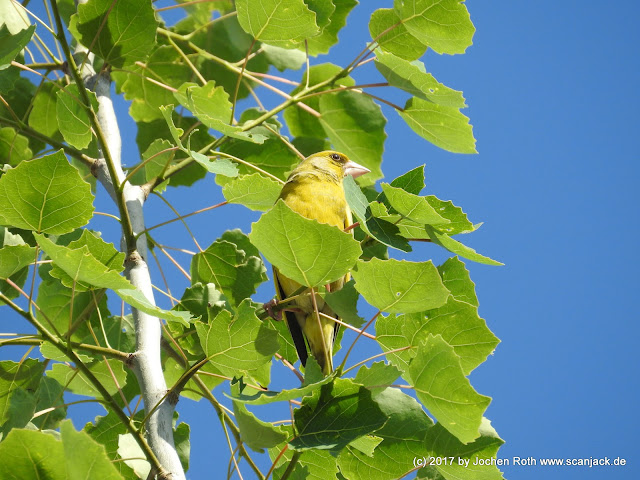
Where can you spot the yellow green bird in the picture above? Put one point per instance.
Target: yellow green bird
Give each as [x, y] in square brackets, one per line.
[314, 190]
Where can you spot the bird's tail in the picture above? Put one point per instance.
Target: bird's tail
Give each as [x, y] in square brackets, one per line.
[319, 334]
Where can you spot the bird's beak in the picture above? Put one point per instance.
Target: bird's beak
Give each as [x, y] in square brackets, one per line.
[354, 169]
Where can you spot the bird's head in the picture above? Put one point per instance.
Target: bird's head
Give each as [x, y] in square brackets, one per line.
[332, 163]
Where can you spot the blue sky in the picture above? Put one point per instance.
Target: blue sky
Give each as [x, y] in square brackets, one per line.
[551, 89]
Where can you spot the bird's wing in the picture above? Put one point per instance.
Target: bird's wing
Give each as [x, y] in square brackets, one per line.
[292, 322]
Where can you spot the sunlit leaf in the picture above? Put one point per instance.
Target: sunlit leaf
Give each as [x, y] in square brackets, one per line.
[78, 383]
[391, 34]
[278, 22]
[211, 105]
[400, 286]
[254, 432]
[443, 126]
[73, 117]
[335, 415]
[442, 387]
[458, 248]
[413, 78]
[304, 250]
[121, 33]
[45, 195]
[11, 45]
[442, 25]
[237, 343]
[254, 191]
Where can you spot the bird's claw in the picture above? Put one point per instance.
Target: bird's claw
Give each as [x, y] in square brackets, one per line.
[269, 306]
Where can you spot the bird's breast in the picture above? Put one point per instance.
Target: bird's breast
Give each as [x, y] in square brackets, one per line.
[317, 200]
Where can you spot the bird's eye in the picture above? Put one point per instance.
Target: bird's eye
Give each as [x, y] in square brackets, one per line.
[335, 156]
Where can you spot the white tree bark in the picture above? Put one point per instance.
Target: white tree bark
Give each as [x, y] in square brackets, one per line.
[146, 359]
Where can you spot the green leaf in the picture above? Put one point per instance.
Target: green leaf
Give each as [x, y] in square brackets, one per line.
[458, 221]
[82, 266]
[45, 195]
[443, 126]
[455, 277]
[133, 456]
[102, 251]
[355, 126]
[282, 58]
[412, 206]
[200, 298]
[237, 344]
[120, 33]
[43, 114]
[335, 415]
[22, 406]
[14, 148]
[181, 437]
[440, 443]
[441, 386]
[403, 437]
[12, 45]
[410, 434]
[211, 105]
[400, 286]
[84, 457]
[19, 97]
[32, 455]
[226, 39]
[313, 465]
[381, 230]
[460, 326]
[156, 159]
[60, 307]
[264, 397]
[304, 250]
[366, 444]
[73, 117]
[321, 44]
[14, 258]
[235, 274]
[273, 156]
[217, 166]
[390, 335]
[77, 383]
[386, 28]
[300, 122]
[136, 299]
[25, 375]
[106, 431]
[176, 132]
[173, 373]
[16, 19]
[278, 22]
[344, 303]
[256, 433]
[49, 395]
[413, 78]
[8, 78]
[458, 248]
[164, 65]
[412, 181]
[442, 25]
[377, 377]
[254, 191]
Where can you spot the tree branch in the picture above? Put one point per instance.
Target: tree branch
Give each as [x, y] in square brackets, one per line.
[130, 199]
